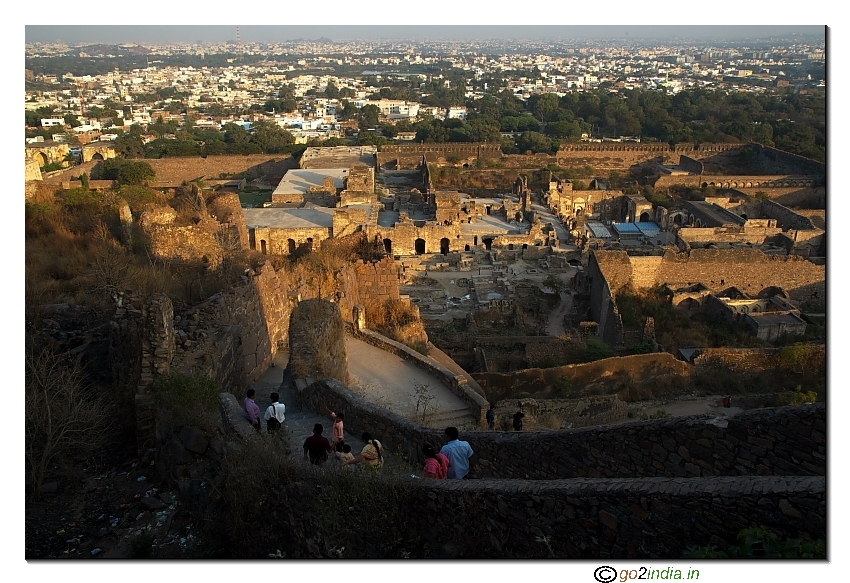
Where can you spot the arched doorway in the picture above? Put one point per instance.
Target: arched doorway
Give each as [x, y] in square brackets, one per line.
[290, 244]
[466, 247]
[97, 156]
[510, 246]
[645, 217]
[444, 246]
[41, 158]
[263, 246]
[488, 243]
[419, 246]
[388, 246]
[689, 304]
[475, 240]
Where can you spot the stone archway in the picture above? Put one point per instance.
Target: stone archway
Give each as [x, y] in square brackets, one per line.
[388, 246]
[263, 246]
[645, 217]
[97, 157]
[42, 159]
[419, 246]
[444, 246]
[488, 243]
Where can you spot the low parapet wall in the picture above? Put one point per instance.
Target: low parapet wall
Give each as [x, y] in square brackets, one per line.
[581, 519]
[457, 384]
[787, 441]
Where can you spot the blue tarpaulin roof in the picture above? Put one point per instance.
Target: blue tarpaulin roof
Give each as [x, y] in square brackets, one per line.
[629, 228]
[648, 229]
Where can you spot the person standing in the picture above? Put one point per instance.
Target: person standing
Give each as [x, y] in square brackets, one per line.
[491, 418]
[459, 453]
[317, 446]
[274, 416]
[518, 420]
[338, 430]
[252, 411]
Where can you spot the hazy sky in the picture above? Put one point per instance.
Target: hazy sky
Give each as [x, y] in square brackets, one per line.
[251, 33]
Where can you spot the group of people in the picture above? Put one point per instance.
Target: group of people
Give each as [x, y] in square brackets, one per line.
[274, 415]
[517, 418]
[452, 462]
[317, 447]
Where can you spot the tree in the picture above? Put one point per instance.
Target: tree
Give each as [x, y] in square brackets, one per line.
[271, 137]
[135, 173]
[368, 116]
[130, 145]
[61, 416]
[555, 283]
[331, 91]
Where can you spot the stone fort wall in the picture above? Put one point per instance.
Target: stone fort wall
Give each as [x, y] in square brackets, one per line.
[641, 489]
[787, 441]
[750, 270]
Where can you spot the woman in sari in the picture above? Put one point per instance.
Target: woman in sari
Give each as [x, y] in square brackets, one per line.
[372, 454]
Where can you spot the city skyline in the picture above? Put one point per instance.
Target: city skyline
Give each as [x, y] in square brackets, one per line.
[149, 34]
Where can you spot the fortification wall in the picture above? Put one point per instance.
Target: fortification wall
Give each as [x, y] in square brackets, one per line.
[785, 217]
[519, 519]
[787, 441]
[750, 270]
[747, 269]
[317, 341]
[779, 161]
[32, 170]
[250, 166]
[738, 181]
[603, 308]
[754, 235]
[188, 243]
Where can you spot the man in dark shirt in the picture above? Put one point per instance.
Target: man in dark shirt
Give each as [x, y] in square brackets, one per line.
[316, 446]
[491, 418]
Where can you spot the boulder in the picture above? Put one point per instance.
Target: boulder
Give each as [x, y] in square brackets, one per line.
[194, 439]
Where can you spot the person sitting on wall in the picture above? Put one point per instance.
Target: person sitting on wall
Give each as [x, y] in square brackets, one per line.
[252, 411]
[436, 463]
[459, 453]
[372, 454]
[317, 447]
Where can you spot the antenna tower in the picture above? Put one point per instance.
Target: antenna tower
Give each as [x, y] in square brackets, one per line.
[238, 41]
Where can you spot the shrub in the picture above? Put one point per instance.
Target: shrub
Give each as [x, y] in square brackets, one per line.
[759, 542]
[62, 417]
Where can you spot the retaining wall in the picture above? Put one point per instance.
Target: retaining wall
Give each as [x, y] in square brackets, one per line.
[789, 441]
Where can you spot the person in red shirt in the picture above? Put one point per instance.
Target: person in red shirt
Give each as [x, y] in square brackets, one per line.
[316, 446]
[436, 463]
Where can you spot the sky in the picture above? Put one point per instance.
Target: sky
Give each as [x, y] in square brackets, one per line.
[276, 33]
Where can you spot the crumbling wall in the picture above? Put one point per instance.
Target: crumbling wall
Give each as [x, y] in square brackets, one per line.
[317, 341]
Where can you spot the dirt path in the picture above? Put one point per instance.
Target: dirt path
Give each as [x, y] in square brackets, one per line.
[556, 316]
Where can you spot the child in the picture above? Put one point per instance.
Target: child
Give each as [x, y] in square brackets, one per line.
[345, 455]
[338, 431]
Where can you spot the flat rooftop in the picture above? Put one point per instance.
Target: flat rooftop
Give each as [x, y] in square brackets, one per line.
[490, 225]
[298, 181]
[338, 156]
[289, 218]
